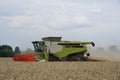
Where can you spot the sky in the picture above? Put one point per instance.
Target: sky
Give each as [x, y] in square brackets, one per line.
[24, 21]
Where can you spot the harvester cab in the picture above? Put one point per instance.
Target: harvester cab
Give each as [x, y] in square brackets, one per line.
[39, 46]
[40, 50]
[53, 49]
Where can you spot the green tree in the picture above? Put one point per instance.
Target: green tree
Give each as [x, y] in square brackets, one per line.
[17, 50]
[6, 51]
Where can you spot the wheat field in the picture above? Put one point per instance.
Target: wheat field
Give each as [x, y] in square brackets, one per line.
[11, 70]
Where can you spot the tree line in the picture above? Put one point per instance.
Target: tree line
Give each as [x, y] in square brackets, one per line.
[7, 51]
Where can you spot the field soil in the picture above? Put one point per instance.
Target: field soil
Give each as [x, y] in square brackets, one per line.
[105, 70]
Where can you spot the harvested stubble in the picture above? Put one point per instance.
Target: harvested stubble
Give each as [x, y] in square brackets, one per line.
[10, 70]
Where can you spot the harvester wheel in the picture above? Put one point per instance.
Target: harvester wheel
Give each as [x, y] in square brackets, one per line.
[74, 58]
[53, 58]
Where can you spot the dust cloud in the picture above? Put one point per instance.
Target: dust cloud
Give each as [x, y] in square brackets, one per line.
[112, 53]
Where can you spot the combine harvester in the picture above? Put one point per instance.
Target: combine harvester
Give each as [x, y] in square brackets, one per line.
[53, 49]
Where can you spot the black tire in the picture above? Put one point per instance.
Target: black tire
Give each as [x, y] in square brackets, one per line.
[53, 58]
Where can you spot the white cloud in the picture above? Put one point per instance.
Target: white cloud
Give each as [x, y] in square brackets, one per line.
[19, 21]
[97, 10]
[56, 22]
[63, 22]
[80, 19]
